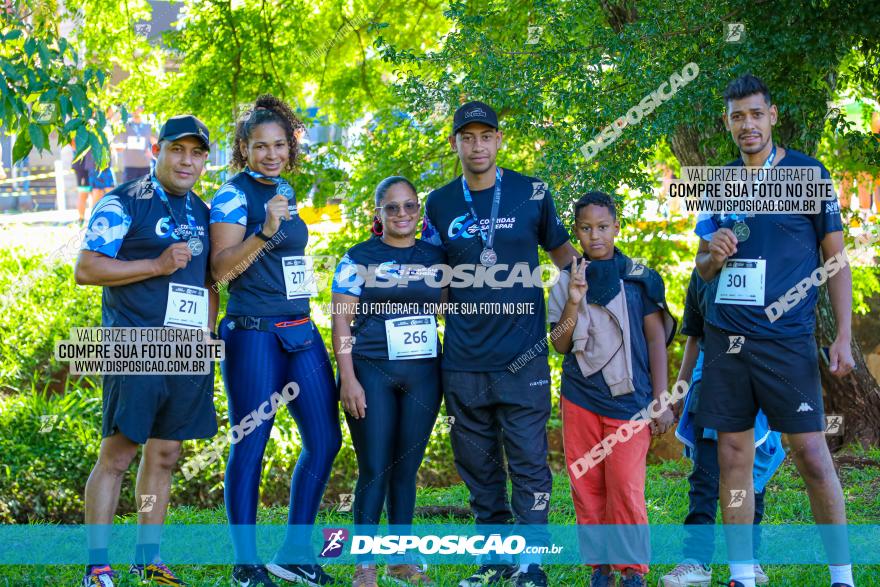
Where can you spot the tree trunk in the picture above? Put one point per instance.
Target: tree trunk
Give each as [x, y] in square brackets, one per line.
[856, 397]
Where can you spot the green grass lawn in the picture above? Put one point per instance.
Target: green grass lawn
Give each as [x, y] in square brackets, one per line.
[786, 502]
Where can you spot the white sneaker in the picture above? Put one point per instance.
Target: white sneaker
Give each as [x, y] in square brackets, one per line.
[689, 573]
[761, 577]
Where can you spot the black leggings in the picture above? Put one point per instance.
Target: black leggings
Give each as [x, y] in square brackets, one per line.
[403, 398]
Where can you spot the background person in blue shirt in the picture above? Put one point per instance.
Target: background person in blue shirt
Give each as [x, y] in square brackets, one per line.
[484, 392]
[701, 446]
[776, 369]
[137, 244]
[259, 242]
[390, 376]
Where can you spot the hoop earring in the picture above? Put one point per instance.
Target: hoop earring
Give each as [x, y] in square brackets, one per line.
[377, 226]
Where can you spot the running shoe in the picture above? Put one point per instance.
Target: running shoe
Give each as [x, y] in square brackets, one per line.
[407, 574]
[598, 579]
[313, 575]
[489, 575]
[156, 573]
[251, 576]
[365, 576]
[100, 577]
[688, 573]
[534, 576]
[761, 577]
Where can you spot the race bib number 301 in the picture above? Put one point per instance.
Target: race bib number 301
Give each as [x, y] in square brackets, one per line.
[742, 282]
[299, 277]
[414, 337]
[187, 306]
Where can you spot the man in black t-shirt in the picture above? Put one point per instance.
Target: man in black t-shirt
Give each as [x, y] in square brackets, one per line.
[496, 379]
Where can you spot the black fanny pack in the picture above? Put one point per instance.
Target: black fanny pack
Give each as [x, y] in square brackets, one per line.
[294, 335]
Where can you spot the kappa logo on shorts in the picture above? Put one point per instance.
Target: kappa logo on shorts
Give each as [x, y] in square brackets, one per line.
[736, 344]
[804, 407]
[333, 541]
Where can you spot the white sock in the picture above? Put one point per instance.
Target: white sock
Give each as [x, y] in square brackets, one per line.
[841, 574]
[744, 573]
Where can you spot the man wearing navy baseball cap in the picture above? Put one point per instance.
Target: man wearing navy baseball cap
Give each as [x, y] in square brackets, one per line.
[147, 246]
[493, 220]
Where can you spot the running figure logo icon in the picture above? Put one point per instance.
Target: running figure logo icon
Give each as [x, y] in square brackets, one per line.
[734, 32]
[333, 541]
[345, 502]
[346, 343]
[833, 424]
[737, 496]
[539, 190]
[535, 33]
[736, 344]
[542, 500]
[147, 503]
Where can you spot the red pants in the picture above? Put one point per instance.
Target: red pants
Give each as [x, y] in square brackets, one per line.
[612, 490]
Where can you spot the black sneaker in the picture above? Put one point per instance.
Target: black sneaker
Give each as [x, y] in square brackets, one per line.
[313, 575]
[533, 577]
[490, 574]
[251, 576]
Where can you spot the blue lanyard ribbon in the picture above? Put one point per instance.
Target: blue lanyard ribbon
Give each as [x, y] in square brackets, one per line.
[282, 186]
[184, 234]
[767, 165]
[496, 201]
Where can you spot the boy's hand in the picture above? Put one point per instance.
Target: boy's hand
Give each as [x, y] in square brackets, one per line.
[662, 423]
[577, 286]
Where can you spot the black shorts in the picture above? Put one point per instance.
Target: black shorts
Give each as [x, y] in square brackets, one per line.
[779, 376]
[82, 178]
[169, 407]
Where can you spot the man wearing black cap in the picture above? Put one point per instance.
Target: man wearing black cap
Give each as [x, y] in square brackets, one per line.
[147, 245]
[493, 220]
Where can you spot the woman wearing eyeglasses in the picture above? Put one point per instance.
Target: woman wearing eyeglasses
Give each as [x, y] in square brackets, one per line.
[385, 296]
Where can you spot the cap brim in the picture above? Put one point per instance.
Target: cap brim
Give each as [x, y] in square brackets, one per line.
[187, 134]
[477, 120]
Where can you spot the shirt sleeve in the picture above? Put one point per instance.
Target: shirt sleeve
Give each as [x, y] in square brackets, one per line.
[430, 234]
[557, 298]
[229, 206]
[346, 279]
[828, 220]
[551, 232]
[108, 225]
[707, 225]
[648, 306]
[692, 320]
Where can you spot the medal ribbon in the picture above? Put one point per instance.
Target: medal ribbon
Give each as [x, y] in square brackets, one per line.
[163, 197]
[496, 201]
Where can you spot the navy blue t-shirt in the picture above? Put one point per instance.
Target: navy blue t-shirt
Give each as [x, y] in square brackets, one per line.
[790, 243]
[695, 302]
[383, 260]
[526, 218]
[260, 289]
[131, 223]
[592, 393]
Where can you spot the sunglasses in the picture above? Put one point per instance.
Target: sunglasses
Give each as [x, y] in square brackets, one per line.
[393, 208]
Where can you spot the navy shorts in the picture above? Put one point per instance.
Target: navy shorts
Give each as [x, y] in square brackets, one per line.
[103, 180]
[779, 376]
[169, 407]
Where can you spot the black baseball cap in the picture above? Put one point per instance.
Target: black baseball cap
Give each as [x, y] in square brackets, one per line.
[474, 112]
[184, 125]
